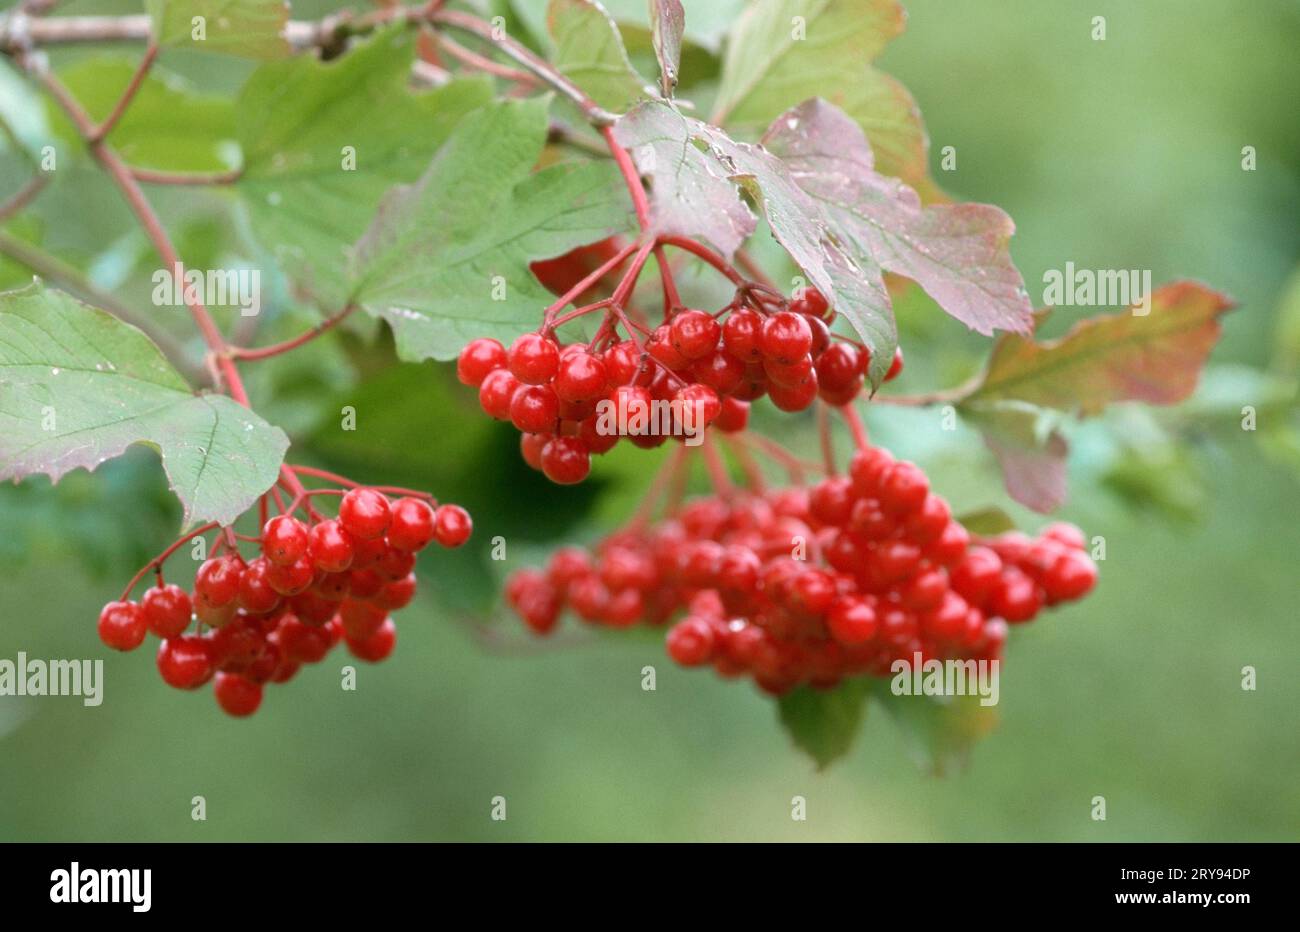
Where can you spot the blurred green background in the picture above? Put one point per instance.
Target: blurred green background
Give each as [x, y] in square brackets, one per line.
[1117, 154]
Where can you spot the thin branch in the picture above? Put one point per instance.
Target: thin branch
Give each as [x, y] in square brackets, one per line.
[128, 95]
[275, 349]
[23, 196]
[56, 270]
[194, 179]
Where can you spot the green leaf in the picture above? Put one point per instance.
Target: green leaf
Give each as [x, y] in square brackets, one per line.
[1154, 357]
[1029, 448]
[688, 161]
[958, 253]
[589, 51]
[169, 126]
[446, 260]
[987, 521]
[301, 123]
[78, 386]
[941, 730]
[782, 52]
[667, 24]
[246, 28]
[824, 722]
[692, 193]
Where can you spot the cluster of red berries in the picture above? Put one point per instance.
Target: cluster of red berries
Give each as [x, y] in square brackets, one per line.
[551, 393]
[811, 585]
[313, 586]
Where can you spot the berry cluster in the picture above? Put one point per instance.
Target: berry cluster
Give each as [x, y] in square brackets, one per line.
[314, 585]
[714, 366]
[810, 585]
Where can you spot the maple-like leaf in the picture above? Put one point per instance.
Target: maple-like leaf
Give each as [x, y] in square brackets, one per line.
[1155, 357]
[446, 259]
[957, 252]
[78, 386]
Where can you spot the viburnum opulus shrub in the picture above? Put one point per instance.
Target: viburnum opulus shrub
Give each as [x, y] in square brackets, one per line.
[610, 262]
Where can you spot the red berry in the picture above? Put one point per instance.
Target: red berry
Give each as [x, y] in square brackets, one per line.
[477, 359]
[1015, 598]
[377, 646]
[660, 347]
[122, 625]
[840, 366]
[535, 409]
[364, 513]
[1066, 534]
[495, 393]
[740, 335]
[452, 525]
[330, 546]
[217, 582]
[397, 594]
[694, 334]
[698, 406]
[291, 579]
[256, 595]
[394, 564]
[185, 662]
[581, 377]
[796, 397]
[721, 371]
[237, 695]
[284, 540]
[565, 460]
[810, 302]
[690, 641]
[621, 362]
[851, 620]
[533, 359]
[976, 575]
[785, 337]
[412, 524]
[530, 448]
[166, 610]
[1071, 577]
[903, 488]
[734, 416]
[896, 366]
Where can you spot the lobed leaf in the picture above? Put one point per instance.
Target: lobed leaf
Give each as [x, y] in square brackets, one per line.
[941, 730]
[956, 252]
[78, 386]
[667, 25]
[170, 125]
[1156, 357]
[589, 51]
[246, 28]
[1029, 448]
[691, 192]
[824, 722]
[783, 52]
[299, 120]
[446, 259]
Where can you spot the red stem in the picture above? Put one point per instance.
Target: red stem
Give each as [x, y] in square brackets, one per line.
[275, 349]
[137, 79]
[157, 562]
[856, 427]
[630, 176]
[572, 294]
[707, 254]
[824, 430]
